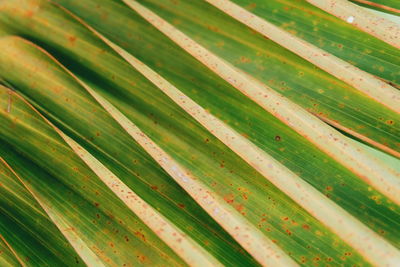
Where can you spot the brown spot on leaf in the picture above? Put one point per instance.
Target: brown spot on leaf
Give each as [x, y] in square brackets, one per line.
[252, 5]
[29, 13]
[142, 258]
[72, 39]
[239, 208]
[245, 59]
[140, 235]
[229, 198]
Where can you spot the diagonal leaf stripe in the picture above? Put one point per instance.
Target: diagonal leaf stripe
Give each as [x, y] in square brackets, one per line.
[264, 250]
[7, 246]
[297, 189]
[13, 39]
[183, 245]
[327, 139]
[7, 258]
[369, 22]
[79, 245]
[318, 93]
[105, 106]
[36, 64]
[261, 248]
[325, 95]
[305, 176]
[366, 83]
[391, 6]
[97, 229]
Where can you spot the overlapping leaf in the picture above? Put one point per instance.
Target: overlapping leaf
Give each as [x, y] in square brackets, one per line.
[389, 6]
[295, 78]
[66, 103]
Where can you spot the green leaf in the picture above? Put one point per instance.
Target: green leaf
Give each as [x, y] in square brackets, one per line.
[389, 6]
[41, 66]
[99, 91]
[151, 183]
[331, 34]
[80, 204]
[27, 229]
[7, 258]
[315, 90]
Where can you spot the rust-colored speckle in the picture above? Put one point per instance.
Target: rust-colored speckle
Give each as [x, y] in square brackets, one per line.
[29, 13]
[229, 198]
[245, 59]
[213, 28]
[245, 135]
[72, 39]
[239, 208]
[141, 258]
[277, 138]
[252, 5]
[140, 235]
